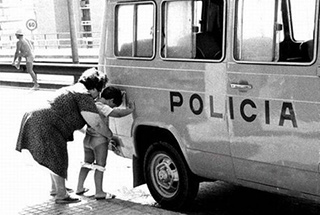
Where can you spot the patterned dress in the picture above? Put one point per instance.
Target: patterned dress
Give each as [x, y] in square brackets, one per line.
[46, 131]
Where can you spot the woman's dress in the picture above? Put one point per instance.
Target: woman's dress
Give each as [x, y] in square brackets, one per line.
[46, 131]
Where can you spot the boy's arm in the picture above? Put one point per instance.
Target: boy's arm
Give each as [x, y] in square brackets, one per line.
[119, 112]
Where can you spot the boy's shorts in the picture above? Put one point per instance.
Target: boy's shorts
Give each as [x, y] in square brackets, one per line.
[93, 141]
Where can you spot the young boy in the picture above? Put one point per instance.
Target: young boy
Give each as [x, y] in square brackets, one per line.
[96, 145]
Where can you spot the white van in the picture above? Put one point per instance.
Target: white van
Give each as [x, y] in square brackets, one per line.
[224, 90]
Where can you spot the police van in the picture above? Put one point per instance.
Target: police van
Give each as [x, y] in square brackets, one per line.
[224, 90]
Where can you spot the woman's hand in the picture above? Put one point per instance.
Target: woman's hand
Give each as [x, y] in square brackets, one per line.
[95, 121]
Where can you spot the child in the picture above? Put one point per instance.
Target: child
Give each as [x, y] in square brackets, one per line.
[96, 145]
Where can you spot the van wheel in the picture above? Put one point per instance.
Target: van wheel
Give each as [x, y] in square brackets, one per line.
[169, 180]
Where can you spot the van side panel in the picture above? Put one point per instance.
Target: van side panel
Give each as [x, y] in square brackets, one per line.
[192, 101]
[275, 128]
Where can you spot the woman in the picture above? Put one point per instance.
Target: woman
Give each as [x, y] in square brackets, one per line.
[46, 131]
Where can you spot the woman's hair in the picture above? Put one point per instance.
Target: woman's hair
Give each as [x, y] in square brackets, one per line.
[93, 79]
[112, 93]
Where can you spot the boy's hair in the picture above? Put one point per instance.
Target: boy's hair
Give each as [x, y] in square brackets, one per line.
[112, 93]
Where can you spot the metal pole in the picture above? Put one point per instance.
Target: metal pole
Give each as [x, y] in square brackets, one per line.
[73, 34]
[103, 39]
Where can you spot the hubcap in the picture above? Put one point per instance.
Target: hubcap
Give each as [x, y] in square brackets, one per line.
[165, 175]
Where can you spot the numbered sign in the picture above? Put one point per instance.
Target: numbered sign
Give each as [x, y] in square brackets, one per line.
[31, 24]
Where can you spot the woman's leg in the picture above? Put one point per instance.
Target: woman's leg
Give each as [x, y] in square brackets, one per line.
[53, 191]
[62, 196]
[88, 158]
[60, 186]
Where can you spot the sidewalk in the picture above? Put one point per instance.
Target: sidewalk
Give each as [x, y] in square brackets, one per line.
[25, 185]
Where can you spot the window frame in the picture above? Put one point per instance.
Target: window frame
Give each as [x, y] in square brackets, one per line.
[163, 29]
[315, 36]
[134, 42]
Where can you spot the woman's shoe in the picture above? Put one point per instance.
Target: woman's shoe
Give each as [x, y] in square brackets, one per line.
[67, 200]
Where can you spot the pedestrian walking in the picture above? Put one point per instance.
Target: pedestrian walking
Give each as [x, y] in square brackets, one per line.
[25, 48]
[46, 130]
[96, 145]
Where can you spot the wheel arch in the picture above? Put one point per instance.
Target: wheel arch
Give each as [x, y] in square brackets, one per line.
[146, 134]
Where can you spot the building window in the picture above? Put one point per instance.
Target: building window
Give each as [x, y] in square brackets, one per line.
[135, 30]
[192, 29]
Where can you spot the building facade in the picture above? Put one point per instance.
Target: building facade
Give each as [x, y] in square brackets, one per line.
[45, 17]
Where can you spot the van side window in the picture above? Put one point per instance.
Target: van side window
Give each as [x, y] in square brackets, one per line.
[192, 29]
[274, 30]
[134, 31]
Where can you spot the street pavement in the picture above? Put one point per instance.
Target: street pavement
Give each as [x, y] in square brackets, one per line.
[25, 185]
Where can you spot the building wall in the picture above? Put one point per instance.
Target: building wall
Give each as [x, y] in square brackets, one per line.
[14, 14]
[97, 9]
[51, 15]
[61, 15]
[45, 16]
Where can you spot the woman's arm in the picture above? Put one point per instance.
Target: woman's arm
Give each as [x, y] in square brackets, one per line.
[95, 121]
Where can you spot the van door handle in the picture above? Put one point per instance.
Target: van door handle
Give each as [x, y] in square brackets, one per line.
[241, 86]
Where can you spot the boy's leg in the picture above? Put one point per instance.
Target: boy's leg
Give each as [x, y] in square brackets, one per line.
[29, 65]
[19, 62]
[101, 153]
[88, 158]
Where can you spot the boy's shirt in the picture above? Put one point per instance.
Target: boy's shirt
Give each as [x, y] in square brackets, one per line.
[104, 111]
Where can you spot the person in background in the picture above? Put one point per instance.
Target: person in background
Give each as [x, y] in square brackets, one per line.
[96, 145]
[25, 48]
[45, 131]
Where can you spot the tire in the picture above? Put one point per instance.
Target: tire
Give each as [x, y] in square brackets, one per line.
[168, 178]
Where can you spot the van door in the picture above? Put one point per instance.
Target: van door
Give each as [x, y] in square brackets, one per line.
[274, 94]
[133, 39]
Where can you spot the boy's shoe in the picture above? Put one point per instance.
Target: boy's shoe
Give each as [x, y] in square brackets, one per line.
[106, 196]
[83, 191]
